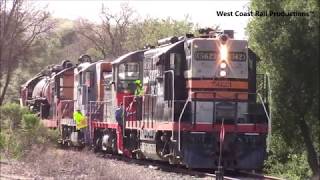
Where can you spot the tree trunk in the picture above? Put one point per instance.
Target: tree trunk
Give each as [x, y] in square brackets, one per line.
[104, 54]
[5, 87]
[311, 152]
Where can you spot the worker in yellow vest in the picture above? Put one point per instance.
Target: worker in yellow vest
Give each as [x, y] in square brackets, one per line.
[81, 120]
[138, 99]
[81, 124]
[139, 90]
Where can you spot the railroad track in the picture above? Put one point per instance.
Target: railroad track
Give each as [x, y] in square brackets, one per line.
[164, 166]
[260, 176]
[197, 174]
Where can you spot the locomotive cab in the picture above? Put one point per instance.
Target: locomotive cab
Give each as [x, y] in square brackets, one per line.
[119, 88]
[86, 83]
[126, 70]
[89, 84]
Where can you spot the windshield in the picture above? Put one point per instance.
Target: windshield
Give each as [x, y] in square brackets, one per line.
[127, 86]
[129, 71]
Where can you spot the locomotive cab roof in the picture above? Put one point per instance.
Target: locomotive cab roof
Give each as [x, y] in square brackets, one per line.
[129, 56]
[157, 52]
[61, 72]
[84, 66]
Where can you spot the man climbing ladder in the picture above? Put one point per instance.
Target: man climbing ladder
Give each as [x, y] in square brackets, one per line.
[81, 120]
[81, 124]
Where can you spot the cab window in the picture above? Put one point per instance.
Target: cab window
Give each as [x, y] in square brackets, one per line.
[128, 73]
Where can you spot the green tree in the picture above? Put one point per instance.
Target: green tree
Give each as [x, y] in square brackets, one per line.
[289, 48]
[150, 30]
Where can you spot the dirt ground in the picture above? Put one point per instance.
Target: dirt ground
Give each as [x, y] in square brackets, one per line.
[55, 163]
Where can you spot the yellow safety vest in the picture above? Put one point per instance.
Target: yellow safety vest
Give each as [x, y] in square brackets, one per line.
[139, 91]
[81, 120]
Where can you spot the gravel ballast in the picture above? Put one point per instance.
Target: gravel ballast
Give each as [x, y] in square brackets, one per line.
[54, 163]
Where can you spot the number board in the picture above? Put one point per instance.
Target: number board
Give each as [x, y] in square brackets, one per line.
[205, 55]
[222, 84]
[212, 56]
[237, 56]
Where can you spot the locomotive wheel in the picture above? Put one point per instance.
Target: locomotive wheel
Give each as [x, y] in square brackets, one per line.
[173, 160]
[62, 145]
[139, 155]
[97, 145]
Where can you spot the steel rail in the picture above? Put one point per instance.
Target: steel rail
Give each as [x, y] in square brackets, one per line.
[260, 176]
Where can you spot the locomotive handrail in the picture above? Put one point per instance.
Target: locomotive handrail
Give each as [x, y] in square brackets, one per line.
[172, 105]
[264, 107]
[90, 113]
[179, 125]
[269, 120]
[151, 95]
[237, 93]
[124, 109]
[124, 114]
[59, 116]
[270, 112]
[68, 101]
[185, 105]
[100, 103]
[65, 107]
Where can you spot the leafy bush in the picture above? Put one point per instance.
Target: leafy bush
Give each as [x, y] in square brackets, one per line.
[21, 130]
[43, 135]
[11, 115]
[286, 162]
[30, 121]
[2, 140]
[296, 167]
[52, 135]
[13, 146]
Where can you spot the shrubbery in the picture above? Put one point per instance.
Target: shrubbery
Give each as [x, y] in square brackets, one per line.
[286, 162]
[11, 116]
[1, 140]
[20, 129]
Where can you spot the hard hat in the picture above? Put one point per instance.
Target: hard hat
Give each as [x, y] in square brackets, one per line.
[137, 81]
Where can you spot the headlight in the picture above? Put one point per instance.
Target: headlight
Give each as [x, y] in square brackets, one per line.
[224, 52]
[223, 65]
[223, 73]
